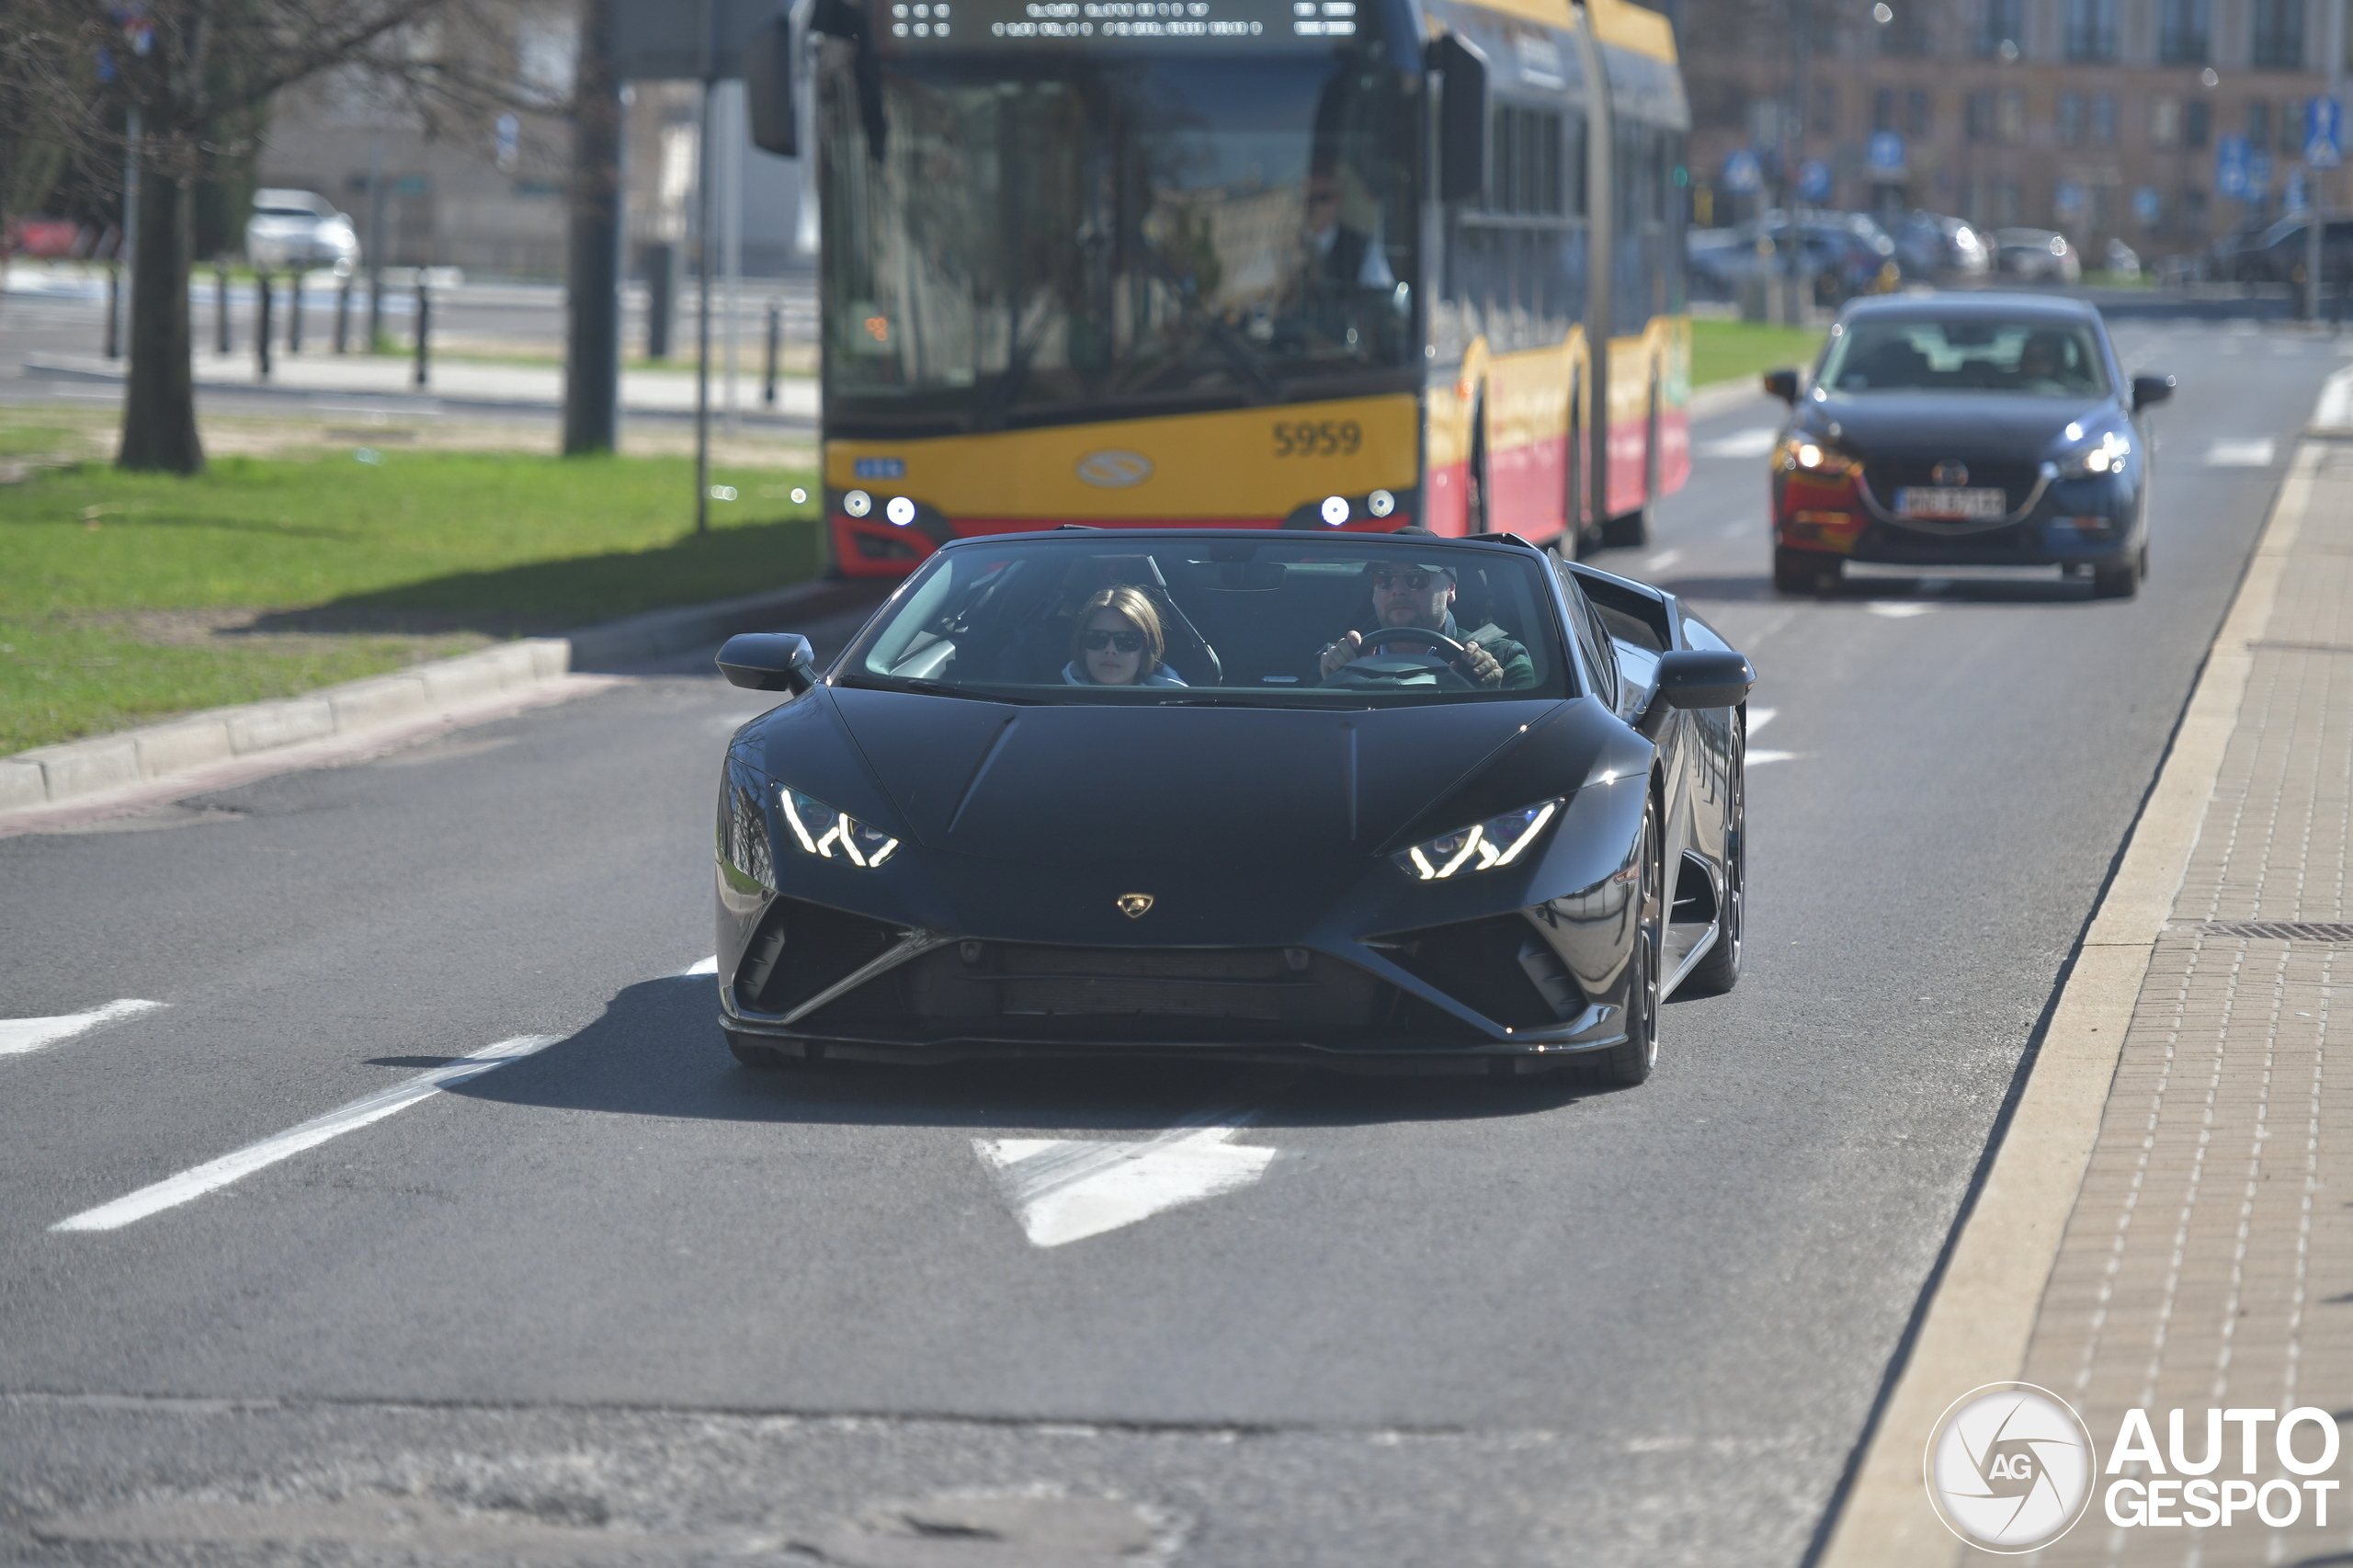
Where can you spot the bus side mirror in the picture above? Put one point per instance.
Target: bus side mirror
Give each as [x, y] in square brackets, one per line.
[1463, 119]
[767, 89]
[1782, 384]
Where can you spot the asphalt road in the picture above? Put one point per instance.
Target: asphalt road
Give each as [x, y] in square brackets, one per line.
[624, 1299]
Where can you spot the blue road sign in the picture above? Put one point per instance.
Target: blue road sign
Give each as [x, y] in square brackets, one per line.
[2323, 133]
[2230, 165]
[1885, 158]
[1814, 180]
[2258, 173]
[1742, 175]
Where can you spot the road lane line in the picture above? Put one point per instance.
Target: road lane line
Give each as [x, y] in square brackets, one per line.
[701, 966]
[213, 1174]
[1662, 561]
[2255, 453]
[20, 1035]
[1898, 609]
[1750, 443]
[1761, 717]
[1066, 1189]
[1753, 758]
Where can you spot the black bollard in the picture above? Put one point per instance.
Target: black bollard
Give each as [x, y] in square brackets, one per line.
[114, 309]
[220, 305]
[424, 322]
[775, 345]
[661, 298]
[343, 316]
[261, 324]
[294, 311]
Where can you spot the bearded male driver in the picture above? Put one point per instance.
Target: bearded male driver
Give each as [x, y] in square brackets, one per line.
[1421, 594]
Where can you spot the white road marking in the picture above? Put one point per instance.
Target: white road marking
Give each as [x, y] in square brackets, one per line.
[701, 966]
[1752, 443]
[1898, 609]
[2253, 453]
[2335, 408]
[1761, 717]
[1739, 529]
[1066, 1189]
[1662, 561]
[213, 1174]
[18, 1036]
[1753, 758]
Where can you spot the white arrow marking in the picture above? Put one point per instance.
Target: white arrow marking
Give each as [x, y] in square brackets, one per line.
[1898, 609]
[18, 1036]
[1752, 443]
[1066, 1189]
[1756, 758]
[172, 1191]
[1761, 717]
[701, 966]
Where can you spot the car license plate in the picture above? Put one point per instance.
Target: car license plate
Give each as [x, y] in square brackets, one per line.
[1920, 501]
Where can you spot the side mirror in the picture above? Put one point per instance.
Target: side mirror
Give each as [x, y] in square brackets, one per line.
[1462, 118]
[1701, 677]
[767, 89]
[2150, 391]
[1782, 384]
[768, 661]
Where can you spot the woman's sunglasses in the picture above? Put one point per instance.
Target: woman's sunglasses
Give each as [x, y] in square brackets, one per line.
[1125, 642]
[1416, 581]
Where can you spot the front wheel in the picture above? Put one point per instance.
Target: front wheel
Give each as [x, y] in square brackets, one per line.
[1718, 970]
[1629, 1061]
[2120, 581]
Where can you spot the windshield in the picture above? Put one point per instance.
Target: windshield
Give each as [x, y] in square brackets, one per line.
[1043, 232]
[2041, 359]
[1156, 620]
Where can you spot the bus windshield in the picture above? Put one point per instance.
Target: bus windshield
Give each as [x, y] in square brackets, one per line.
[1043, 232]
[1348, 621]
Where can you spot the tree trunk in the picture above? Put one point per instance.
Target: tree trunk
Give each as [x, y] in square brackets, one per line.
[593, 271]
[159, 404]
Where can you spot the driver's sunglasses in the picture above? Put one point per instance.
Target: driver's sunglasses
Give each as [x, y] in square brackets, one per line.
[1125, 642]
[1387, 578]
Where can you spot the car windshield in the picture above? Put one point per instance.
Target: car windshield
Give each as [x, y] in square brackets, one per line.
[1166, 620]
[2039, 359]
[1038, 235]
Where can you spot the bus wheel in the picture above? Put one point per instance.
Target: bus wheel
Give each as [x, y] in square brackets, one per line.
[1632, 530]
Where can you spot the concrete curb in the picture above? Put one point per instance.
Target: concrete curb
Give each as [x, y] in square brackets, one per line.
[109, 765]
[1977, 1324]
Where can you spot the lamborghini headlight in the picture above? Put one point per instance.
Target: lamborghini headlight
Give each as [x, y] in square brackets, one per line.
[1482, 846]
[820, 830]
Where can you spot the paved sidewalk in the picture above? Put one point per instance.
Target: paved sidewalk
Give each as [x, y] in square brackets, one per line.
[2209, 1258]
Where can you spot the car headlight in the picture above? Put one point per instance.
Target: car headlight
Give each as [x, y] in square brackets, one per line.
[2095, 459]
[1812, 454]
[830, 834]
[1482, 846]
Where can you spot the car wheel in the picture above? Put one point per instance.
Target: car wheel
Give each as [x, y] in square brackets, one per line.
[2120, 581]
[1802, 570]
[1719, 970]
[1629, 1063]
[753, 1051]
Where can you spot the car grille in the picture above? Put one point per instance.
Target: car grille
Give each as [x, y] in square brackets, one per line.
[1887, 476]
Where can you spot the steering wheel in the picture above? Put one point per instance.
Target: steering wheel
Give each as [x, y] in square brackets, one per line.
[1437, 643]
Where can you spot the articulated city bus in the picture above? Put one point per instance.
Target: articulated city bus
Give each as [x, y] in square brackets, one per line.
[1307, 263]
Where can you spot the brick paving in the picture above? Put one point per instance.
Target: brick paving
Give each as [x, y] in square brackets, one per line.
[2209, 1259]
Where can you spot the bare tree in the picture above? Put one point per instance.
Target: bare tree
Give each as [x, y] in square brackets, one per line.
[77, 71]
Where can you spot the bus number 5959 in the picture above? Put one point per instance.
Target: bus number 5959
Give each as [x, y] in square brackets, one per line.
[1306, 438]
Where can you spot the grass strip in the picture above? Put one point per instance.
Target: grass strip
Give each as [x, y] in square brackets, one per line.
[1737, 350]
[129, 597]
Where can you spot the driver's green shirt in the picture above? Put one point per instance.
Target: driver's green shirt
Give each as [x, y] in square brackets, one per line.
[1520, 669]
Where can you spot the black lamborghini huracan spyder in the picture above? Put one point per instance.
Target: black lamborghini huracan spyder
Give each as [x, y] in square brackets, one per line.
[1489, 832]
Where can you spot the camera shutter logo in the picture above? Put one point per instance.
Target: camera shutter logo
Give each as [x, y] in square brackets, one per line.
[2009, 1467]
[1114, 470]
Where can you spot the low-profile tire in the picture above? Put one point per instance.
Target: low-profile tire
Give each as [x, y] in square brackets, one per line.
[2120, 581]
[1718, 970]
[753, 1051]
[1801, 571]
[1629, 1063]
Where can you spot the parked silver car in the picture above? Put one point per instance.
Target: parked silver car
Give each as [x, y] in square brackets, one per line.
[2038, 252]
[300, 229]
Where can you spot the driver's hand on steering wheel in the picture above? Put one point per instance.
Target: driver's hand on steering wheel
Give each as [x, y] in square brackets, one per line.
[1479, 665]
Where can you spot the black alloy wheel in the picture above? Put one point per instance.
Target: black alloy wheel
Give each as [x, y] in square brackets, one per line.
[1629, 1063]
[1719, 970]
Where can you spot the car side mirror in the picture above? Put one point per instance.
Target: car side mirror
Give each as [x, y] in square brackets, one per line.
[1462, 118]
[1782, 384]
[2150, 391]
[768, 661]
[1696, 677]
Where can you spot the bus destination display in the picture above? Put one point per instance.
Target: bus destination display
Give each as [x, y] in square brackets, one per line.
[967, 23]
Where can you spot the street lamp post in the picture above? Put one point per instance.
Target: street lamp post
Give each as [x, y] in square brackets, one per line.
[2316, 179]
